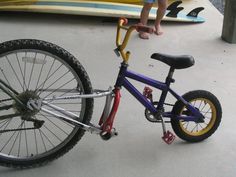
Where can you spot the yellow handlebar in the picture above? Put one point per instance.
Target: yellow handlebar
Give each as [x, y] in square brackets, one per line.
[121, 45]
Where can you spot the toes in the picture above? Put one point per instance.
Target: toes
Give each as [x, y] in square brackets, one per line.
[143, 36]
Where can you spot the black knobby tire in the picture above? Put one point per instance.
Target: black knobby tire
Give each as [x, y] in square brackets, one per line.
[208, 105]
[23, 59]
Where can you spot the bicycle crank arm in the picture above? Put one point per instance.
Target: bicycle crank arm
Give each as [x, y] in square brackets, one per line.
[91, 129]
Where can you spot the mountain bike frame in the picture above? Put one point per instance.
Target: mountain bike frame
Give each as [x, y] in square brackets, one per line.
[105, 125]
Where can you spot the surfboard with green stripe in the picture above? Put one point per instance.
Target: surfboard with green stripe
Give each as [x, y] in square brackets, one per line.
[95, 8]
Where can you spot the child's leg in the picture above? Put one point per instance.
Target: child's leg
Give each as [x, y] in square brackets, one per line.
[162, 5]
[144, 18]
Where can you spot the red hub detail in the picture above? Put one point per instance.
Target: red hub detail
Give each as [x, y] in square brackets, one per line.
[168, 137]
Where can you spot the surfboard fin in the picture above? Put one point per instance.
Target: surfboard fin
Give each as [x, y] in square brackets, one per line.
[174, 5]
[195, 12]
[174, 12]
[174, 9]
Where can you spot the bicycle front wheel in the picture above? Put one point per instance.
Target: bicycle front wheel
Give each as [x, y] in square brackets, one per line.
[38, 69]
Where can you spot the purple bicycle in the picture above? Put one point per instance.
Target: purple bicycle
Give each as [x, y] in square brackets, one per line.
[46, 100]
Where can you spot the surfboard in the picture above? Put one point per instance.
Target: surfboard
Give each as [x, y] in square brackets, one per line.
[95, 8]
[140, 2]
[116, 1]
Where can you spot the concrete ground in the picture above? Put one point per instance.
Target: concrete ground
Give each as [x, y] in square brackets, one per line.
[138, 150]
[219, 4]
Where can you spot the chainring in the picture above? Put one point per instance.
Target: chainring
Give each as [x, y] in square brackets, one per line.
[149, 116]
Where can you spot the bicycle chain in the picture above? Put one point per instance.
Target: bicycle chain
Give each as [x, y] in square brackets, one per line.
[18, 129]
[37, 123]
[5, 100]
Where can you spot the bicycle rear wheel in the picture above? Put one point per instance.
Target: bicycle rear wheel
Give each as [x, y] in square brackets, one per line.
[210, 108]
[38, 69]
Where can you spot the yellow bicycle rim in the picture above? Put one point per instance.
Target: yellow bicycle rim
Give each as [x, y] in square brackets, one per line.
[207, 108]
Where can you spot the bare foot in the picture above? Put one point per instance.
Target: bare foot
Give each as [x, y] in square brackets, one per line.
[143, 35]
[158, 30]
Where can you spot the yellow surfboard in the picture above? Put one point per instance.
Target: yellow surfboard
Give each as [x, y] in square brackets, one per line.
[98, 8]
[139, 2]
[135, 1]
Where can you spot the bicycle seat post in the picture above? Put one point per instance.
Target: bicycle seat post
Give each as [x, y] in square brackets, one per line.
[169, 78]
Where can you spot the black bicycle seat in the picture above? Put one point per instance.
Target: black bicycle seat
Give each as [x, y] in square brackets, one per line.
[177, 62]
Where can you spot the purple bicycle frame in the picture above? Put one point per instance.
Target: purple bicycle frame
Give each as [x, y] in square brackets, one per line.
[165, 87]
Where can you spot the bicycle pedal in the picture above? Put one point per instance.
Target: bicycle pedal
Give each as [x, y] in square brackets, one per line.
[168, 137]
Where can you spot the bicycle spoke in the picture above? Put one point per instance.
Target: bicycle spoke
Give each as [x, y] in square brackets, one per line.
[25, 69]
[54, 124]
[26, 141]
[15, 73]
[19, 146]
[32, 70]
[3, 121]
[208, 111]
[42, 85]
[56, 81]
[42, 140]
[9, 140]
[61, 120]
[58, 88]
[187, 125]
[203, 107]
[201, 126]
[15, 138]
[52, 133]
[47, 138]
[7, 123]
[5, 77]
[67, 92]
[40, 73]
[200, 104]
[24, 84]
[193, 129]
[36, 143]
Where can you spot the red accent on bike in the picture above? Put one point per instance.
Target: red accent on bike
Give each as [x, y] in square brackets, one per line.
[147, 92]
[168, 137]
[107, 126]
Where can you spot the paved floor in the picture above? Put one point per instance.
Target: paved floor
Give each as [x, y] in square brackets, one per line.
[219, 4]
[138, 150]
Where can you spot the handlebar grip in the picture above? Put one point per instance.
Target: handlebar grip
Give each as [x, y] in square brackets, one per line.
[123, 20]
[146, 29]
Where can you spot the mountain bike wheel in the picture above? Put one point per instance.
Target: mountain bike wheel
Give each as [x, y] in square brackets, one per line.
[208, 105]
[38, 69]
